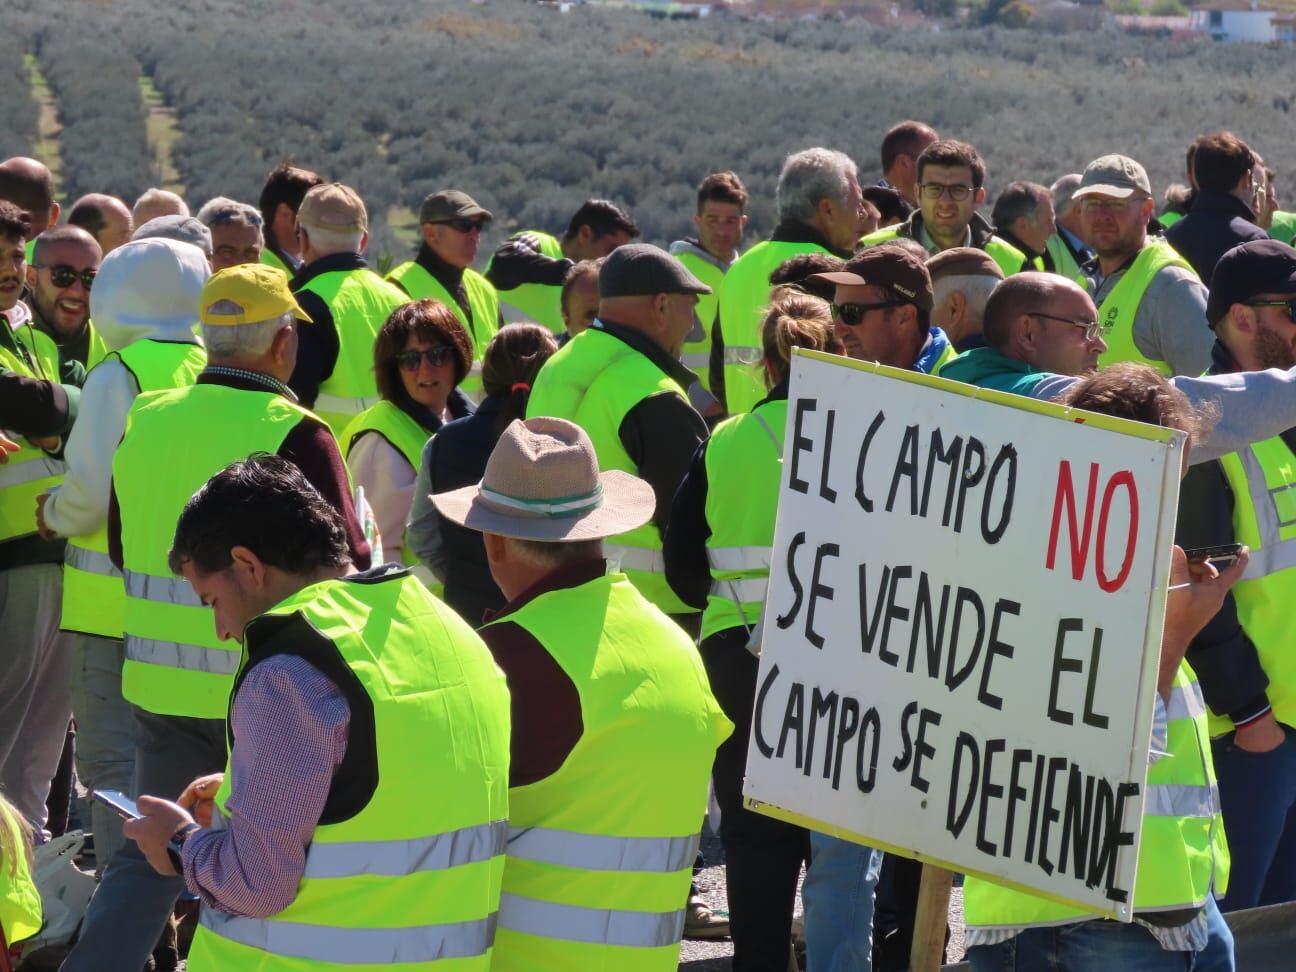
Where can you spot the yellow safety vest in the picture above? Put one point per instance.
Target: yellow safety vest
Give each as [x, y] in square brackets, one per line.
[600, 852]
[360, 302]
[20, 902]
[743, 459]
[1120, 306]
[482, 301]
[1183, 853]
[270, 259]
[404, 868]
[1262, 477]
[31, 470]
[175, 441]
[541, 303]
[700, 263]
[594, 380]
[743, 300]
[1064, 263]
[1010, 259]
[94, 600]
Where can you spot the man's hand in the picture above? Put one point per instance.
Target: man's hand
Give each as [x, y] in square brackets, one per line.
[7, 445]
[154, 831]
[1262, 736]
[42, 528]
[1196, 595]
[199, 797]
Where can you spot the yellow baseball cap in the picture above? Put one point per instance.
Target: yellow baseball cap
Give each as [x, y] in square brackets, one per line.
[247, 294]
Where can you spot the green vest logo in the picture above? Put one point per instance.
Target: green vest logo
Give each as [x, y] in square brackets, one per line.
[1109, 320]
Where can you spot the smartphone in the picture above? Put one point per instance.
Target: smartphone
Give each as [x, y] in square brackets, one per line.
[1221, 555]
[119, 803]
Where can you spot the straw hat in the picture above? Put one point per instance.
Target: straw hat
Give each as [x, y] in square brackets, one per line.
[542, 482]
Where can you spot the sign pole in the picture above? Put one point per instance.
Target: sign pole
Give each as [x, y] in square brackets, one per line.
[928, 951]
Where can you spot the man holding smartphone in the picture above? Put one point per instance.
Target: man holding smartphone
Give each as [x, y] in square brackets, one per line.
[1243, 656]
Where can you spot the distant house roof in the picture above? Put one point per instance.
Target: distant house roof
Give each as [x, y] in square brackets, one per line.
[1237, 6]
[1149, 22]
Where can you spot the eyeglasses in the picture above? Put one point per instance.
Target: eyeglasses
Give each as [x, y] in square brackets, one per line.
[934, 190]
[1115, 207]
[1092, 329]
[1289, 304]
[852, 315]
[464, 225]
[410, 360]
[65, 276]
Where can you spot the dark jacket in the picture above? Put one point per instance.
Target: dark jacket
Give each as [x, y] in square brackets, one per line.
[456, 457]
[1216, 222]
[1223, 656]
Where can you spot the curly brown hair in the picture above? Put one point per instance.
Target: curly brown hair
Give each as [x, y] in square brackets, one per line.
[1137, 392]
[428, 320]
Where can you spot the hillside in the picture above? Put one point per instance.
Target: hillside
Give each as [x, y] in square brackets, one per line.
[531, 110]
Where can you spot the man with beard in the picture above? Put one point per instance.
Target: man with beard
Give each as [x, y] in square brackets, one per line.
[1243, 656]
[66, 260]
[1150, 302]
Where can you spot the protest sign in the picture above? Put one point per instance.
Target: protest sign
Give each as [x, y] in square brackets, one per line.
[963, 626]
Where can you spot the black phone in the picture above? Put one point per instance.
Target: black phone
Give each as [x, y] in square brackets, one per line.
[119, 803]
[1221, 555]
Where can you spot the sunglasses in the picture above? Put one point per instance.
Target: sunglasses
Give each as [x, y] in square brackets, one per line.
[852, 315]
[464, 225]
[65, 276]
[1290, 304]
[1092, 329]
[410, 360]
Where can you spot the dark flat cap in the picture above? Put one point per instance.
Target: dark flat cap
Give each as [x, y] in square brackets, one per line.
[641, 270]
[893, 267]
[963, 261]
[1248, 270]
[448, 204]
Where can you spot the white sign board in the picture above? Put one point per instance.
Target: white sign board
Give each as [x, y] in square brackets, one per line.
[963, 626]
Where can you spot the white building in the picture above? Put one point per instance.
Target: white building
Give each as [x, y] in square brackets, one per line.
[1236, 20]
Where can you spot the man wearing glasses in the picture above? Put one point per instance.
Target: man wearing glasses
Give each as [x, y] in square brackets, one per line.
[1150, 302]
[58, 292]
[951, 186]
[451, 224]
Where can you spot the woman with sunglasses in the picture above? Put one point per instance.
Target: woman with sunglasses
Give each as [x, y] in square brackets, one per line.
[717, 551]
[421, 355]
[456, 456]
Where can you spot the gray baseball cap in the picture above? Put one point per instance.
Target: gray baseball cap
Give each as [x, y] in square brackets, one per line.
[1113, 175]
[183, 229]
[448, 204]
[641, 270]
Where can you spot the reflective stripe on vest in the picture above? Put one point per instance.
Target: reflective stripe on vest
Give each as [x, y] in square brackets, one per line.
[174, 654]
[597, 926]
[601, 852]
[1184, 703]
[696, 361]
[1274, 553]
[742, 590]
[354, 946]
[636, 558]
[163, 590]
[91, 561]
[739, 558]
[20, 473]
[1180, 800]
[399, 858]
[341, 405]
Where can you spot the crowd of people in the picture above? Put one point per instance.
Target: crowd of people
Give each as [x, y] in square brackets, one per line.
[268, 517]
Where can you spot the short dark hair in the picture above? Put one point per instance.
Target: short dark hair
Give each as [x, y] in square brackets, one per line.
[428, 320]
[15, 223]
[510, 365]
[287, 184]
[67, 233]
[889, 203]
[905, 138]
[1220, 161]
[723, 187]
[1135, 391]
[27, 187]
[586, 268]
[263, 503]
[602, 217]
[954, 153]
[89, 215]
[1017, 200]
[797, 270]
[1017, 295]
